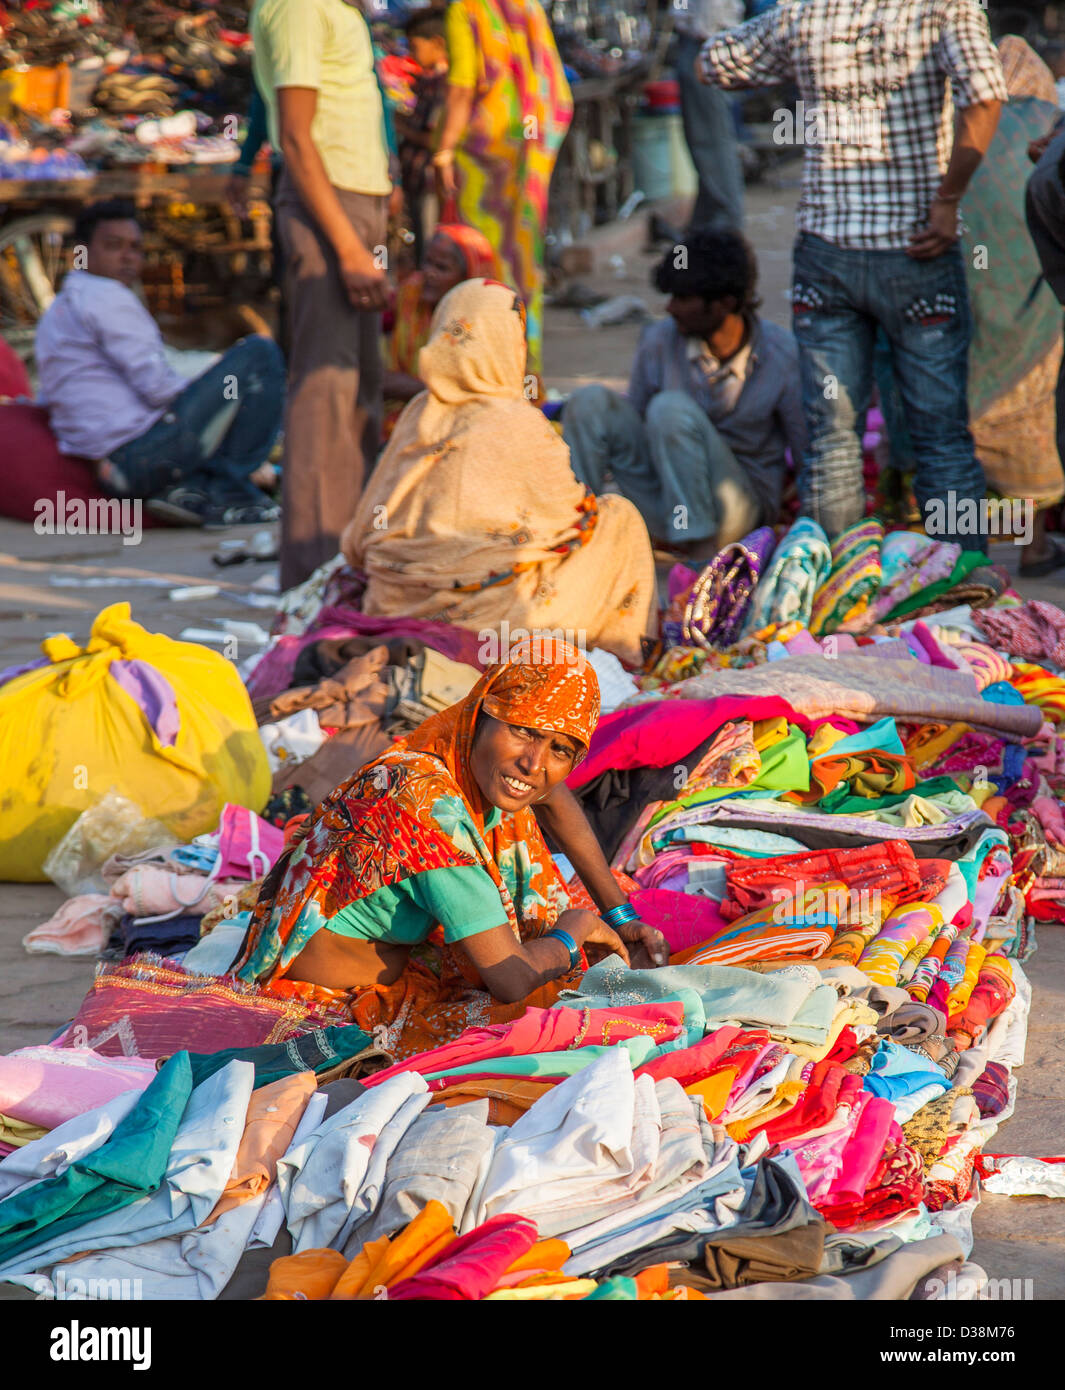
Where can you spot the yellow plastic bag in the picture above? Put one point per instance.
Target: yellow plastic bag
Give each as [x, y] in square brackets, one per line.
[69, 733]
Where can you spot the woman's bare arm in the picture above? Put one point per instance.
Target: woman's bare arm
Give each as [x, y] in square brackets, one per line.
[512, 970]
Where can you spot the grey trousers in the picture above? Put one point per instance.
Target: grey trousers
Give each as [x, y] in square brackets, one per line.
[672, 464]
[332, 420]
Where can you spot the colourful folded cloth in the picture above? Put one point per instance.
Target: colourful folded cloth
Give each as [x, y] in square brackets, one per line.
[854, 580]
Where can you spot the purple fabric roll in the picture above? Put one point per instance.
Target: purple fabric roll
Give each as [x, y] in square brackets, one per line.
[723, 592]
[991, 1089]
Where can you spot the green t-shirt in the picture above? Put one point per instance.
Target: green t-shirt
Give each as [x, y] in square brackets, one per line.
[463, 899]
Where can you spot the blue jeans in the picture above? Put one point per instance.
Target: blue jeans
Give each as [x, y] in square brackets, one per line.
[218, 430]
[839, 299]
[710, 133]
[673, 465]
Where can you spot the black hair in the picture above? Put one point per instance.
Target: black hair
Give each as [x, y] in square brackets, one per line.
[426, 23]
[710, 263]
[106, 210]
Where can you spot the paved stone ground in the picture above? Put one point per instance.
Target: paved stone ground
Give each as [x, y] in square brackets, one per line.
[58, 583]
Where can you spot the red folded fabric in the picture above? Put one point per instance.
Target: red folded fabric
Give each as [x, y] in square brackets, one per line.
[889, 867]
[896, 1186]
[845, 1046]
[829, 1087]
[992, 995]
[696, 1063]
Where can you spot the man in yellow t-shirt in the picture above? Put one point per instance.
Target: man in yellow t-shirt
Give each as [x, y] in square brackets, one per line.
[314, 67]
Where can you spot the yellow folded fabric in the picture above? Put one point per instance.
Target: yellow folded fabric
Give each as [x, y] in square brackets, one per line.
[544, 1293]
[19, 1132]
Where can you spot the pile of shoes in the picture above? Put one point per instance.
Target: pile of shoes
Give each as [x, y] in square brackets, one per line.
[94, 74]
[131, 94]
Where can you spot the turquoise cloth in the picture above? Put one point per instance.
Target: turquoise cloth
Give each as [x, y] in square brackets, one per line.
[128, 1165]
[814, 1020]
[970, 864]
[462, 897]
[532, 1064]
[896, 1072]
[785, 1004]
[759, 844]
[319, 1052]
[1016, 317]
[883, 735]
[1002, 693]
[619, 1289]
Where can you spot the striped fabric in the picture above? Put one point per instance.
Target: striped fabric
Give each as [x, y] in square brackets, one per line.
[781, 929]
[854, 580]
[926, 974]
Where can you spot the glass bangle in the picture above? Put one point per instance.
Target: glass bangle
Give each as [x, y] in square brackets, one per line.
[618, 916]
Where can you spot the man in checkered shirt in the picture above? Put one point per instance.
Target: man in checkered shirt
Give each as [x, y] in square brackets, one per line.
[878, 222]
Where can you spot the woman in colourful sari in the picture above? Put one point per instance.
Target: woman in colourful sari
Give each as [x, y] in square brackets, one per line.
[473, 514]
[454, 254]
[421, 894]
[507, 111]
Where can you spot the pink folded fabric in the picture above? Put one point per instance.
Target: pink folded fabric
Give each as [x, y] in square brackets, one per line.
[153, 892]
[864, 1149]
[470, 1267]
[659, 732]
[545, 1030]
[80, 927]
[49, 1085]
[684, 919]
[1051, 817]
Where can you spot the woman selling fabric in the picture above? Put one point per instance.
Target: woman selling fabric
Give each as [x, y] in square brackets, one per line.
[473, 514]
[507, 111]
[454, 254]
[421, 894]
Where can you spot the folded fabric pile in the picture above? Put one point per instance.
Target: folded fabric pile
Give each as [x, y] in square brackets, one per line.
[846, 848]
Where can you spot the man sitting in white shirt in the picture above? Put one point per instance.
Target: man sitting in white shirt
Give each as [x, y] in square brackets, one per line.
[187, 448]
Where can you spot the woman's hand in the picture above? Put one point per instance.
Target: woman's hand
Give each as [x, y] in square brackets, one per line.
[446, 185]
[1037, 148]
[648, 948]
[589, 930]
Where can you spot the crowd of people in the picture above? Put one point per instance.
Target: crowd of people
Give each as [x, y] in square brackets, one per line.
[914, 275]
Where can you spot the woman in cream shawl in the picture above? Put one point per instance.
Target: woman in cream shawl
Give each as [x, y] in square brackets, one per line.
[473, 514]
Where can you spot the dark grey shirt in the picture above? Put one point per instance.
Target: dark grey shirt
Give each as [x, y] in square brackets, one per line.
[766, 418]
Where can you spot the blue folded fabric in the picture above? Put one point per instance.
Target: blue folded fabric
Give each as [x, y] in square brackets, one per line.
[128, 1165]
[896, 1072]
[1001, 693]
